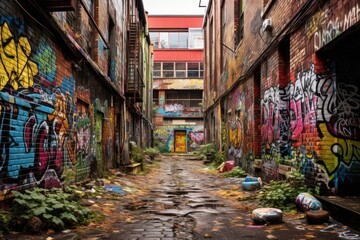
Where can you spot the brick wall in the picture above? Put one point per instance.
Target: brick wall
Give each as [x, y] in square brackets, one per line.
[47, 105]
[307, 80]
[36, 104]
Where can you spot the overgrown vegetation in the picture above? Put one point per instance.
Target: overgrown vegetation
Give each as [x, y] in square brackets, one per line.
[282, 194]
[219, 158]
[53, 209]
[236, 172]
[136, 153]
[163, 148]
[152, 152]
[5, 218]
[205, 150]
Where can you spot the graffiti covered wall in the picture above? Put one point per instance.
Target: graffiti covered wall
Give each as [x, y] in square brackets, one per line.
[312, 124]
[164, 137]
[36, 108]
[240, 125]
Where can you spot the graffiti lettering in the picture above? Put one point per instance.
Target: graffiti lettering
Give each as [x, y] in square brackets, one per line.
[336, 26]
[343, 232]
[174, 107]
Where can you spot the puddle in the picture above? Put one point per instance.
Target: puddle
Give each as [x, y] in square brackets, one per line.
[206, 205]
[178, 192]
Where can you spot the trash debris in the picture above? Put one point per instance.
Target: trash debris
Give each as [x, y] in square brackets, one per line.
[306, 202]
[227, 166]
[114, 189]
[317, 216]
[251, 184]
[266, 215]
[271, 237]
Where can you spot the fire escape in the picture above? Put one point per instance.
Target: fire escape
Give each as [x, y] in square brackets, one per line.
[134, 86]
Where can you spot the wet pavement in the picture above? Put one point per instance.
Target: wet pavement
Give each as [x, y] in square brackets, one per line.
[182, 200]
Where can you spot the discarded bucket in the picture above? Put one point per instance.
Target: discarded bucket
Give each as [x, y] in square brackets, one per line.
[266, 215]
[251, 183]
[307, 202]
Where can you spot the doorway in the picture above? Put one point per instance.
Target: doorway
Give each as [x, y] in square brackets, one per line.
[180, 141]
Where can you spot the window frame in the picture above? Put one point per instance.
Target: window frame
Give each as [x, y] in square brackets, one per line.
[239, 20]
[159, 70]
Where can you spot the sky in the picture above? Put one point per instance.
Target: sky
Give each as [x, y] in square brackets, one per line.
[174, 7]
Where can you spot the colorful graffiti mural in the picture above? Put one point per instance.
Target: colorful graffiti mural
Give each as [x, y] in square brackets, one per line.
[35, 119]
[164, 137]
[177, 109]
[16, 68]
[178, 84]
[320, 133]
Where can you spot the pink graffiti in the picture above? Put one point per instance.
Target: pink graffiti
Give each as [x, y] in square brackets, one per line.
[41, 151]
[197, 137]
[296, 121]
[267, 129]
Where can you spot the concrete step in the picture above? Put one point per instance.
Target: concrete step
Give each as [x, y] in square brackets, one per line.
[343, 209]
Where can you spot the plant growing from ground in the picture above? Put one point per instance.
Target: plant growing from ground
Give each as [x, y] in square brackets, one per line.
[282, 194]
[237, 172]
[219, 158]
[136, 152]
[152, 152]
[205, 149]
[5, 218]
[53, 207]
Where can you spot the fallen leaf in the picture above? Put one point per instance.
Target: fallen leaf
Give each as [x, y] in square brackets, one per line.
[207, 235]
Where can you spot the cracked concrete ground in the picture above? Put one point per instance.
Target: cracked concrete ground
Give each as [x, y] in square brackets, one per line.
[182, 200]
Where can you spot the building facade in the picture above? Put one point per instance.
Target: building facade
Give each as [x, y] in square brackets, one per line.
[281, 92]
[178, 82]
[67, 89]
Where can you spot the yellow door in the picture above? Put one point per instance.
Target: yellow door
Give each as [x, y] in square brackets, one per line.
[180, 141]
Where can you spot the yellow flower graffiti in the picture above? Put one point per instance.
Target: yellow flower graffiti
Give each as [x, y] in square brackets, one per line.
[15, 65]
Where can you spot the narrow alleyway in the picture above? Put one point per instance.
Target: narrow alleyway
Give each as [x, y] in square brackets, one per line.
[181, 199]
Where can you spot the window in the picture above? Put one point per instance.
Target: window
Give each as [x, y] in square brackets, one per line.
[185, 98]
[193, 70]
[174, 40]
[155, 97]
[169, 39]
[178, 70]
[223, 36]
[168, 70]
[164, 40]
[211, 55]
[157, 70]
[183, 40]
[154, 38]
[112, 43]
[196, 38]
[239, 21]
